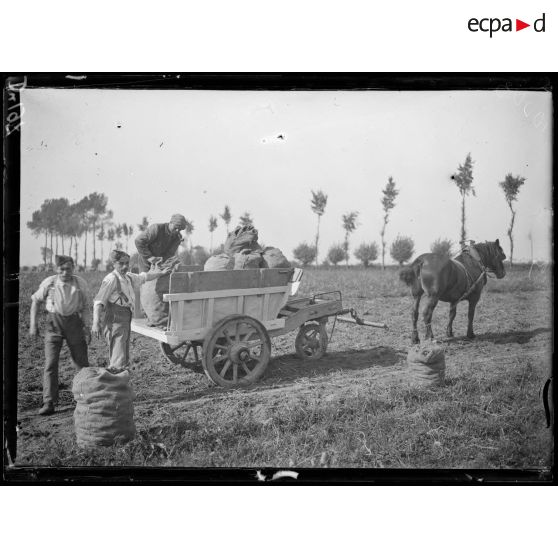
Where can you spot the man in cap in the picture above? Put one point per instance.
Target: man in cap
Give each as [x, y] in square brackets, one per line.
[117, 297]
[65, 296]
[160, 240]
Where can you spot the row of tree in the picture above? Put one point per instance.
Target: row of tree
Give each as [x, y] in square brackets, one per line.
[401, 250]
[402, 245]
[68, 227]
[65, 223]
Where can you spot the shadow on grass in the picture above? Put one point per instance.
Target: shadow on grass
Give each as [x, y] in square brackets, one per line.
[502, 338]
[288, 368]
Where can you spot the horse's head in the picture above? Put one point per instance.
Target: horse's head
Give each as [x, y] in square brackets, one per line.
[493, 258]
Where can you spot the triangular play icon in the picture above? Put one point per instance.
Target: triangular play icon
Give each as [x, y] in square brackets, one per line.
[519, 25]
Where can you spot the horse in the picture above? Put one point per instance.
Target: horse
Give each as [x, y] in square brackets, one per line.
[452, 280]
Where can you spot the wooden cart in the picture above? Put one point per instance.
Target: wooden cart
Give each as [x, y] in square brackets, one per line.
[232, 315]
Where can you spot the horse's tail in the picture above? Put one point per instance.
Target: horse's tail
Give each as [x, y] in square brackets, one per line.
[410, 273]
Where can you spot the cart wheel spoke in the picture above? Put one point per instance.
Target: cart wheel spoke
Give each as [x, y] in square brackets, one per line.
[228, 337]
[249, 336]
[185, 353]
[311, 341]
[219, 358]
[236, 351]
[225, 368]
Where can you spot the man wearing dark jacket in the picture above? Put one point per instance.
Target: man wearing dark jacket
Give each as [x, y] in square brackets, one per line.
[159, 240]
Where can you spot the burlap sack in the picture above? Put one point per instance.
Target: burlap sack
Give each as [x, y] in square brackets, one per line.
[219, 262]
[104, 414]
[244, 237]
[274, 258]
[247, 260]
[427, 364]
[151, 294]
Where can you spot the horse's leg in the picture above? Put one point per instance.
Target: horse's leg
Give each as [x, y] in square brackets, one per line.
[431, 302]
[472, 305]
[414, 316]
[452, 312]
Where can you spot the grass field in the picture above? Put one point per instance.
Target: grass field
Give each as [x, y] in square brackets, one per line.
[353, 408]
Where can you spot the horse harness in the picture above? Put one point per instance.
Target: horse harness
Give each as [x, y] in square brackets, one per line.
[470, 250]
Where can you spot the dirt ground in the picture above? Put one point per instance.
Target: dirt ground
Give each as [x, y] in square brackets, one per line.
[511, 328]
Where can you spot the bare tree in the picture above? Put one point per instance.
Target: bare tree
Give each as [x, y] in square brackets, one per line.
[349, 224]
[189, 229]
[366, 253]
[442, 247]
[511, 185]
[388, 203]
[318, 204]
[144, 224]
[246, 219]
[226, 216]
[402, 249]
[464, 180]
[212, 227]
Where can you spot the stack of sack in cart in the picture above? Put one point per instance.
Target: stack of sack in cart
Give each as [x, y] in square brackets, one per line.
[242, 251]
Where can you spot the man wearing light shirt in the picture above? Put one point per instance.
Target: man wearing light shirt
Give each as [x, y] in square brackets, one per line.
[117, 296]
[66, 297]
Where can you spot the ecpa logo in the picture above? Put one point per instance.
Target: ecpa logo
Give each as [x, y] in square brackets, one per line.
[494, 24]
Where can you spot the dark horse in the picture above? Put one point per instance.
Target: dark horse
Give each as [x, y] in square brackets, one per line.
[441, 278]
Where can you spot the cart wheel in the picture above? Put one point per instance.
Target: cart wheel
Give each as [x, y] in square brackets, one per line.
[236, 351]
[185, 354]
[311, 341]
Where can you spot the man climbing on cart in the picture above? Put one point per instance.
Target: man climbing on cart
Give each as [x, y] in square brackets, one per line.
[160, 240]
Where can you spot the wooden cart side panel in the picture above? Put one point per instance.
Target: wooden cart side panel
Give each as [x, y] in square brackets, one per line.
[275, 277]
[196, 281]
[204, 311]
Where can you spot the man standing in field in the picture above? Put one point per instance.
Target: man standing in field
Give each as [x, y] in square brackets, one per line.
[66, 299]
[160, 240]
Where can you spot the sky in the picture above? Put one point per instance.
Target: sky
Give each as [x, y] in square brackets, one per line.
[159, 152]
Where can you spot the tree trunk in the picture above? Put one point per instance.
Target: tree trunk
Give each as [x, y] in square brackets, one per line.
[50, 256]
[510, 235]
[382, 234]
[46, 246]
[76, 247]
[346, 250]
[463, 233]
[71, 244]
[317, 240]
[56, 242]
[85, 251]
[62, 240]
[94, 254]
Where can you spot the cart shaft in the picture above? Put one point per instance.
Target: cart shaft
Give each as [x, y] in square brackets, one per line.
[362, 322]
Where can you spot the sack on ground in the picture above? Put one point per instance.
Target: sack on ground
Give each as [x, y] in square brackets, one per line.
[427, 364]
[151, 294]
[244, 237]
[247, 260]
[219, 262]
[104, 414]
[274, 258]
